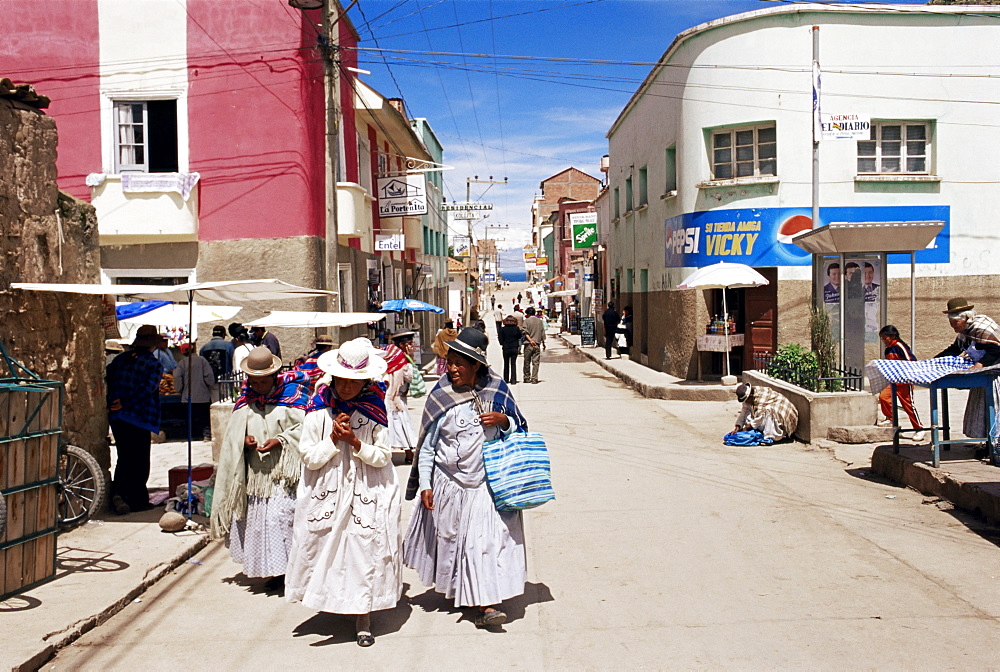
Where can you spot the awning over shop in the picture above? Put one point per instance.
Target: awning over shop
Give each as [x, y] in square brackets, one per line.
[302, 318]
[859, 237]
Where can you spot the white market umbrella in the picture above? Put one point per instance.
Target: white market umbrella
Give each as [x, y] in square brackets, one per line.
[222, 291]
[304, 318]
[724, 275]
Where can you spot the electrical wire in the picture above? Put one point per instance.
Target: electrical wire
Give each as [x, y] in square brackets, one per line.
[498, 18]
[468, 80]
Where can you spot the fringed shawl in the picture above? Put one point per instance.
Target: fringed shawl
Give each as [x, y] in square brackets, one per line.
[244, 472]
[981, 329]
[493, 395]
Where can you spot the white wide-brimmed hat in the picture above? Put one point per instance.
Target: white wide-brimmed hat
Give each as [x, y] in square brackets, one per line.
[357, 360]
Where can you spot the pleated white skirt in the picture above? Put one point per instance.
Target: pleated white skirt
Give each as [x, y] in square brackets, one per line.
[465, 548]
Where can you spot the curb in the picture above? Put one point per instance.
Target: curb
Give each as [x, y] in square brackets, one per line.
[974, 496]
[669, 391]
[63, 638]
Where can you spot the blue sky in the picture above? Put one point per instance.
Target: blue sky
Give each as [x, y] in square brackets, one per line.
[523, 119]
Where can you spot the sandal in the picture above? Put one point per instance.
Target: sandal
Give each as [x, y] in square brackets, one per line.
[491, 617]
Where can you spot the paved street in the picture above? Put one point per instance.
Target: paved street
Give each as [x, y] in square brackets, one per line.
[664, 550]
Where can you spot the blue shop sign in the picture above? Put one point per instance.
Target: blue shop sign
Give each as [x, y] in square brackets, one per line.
[763, 236]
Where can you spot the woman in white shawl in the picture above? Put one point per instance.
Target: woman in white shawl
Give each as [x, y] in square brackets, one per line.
[259, 468]
[345, 555]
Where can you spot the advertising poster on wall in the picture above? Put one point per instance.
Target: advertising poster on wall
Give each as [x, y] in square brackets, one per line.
[763, 236]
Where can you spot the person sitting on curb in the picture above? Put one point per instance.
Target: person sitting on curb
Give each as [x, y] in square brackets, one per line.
[767, 411]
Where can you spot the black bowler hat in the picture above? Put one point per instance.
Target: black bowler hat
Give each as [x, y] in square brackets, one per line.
[471, 343]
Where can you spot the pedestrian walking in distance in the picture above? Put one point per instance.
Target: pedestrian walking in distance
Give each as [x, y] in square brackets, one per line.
[896, 348]
[534, 343]
[510, 343]
[345, 555]
[610, 318]
[457, 540]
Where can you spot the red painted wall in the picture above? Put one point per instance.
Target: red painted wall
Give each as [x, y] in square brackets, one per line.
[57, 51]
[349, 127]
[256, 119]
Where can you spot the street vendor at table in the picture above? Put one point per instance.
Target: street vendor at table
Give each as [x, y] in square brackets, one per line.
[766, 410]
[978, 339]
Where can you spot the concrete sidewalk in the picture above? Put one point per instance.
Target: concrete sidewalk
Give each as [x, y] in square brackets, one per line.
[967, 483]
[101, 567]
[646, 381]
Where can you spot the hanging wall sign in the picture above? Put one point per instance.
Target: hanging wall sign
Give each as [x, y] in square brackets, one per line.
[402, 195]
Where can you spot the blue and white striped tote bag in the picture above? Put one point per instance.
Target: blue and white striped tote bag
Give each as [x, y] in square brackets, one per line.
[518, 471]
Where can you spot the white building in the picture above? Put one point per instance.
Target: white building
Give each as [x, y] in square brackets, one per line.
[711, 160]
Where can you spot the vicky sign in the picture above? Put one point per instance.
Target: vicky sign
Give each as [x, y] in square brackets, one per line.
[763, 236]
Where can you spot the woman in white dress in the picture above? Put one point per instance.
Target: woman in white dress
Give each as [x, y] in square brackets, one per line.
[259, 468]
[402, 436]
[345, 555]
[457, 540]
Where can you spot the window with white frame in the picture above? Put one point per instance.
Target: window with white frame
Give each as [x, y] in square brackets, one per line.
[146, 136]
[744, 152]
[895, 147]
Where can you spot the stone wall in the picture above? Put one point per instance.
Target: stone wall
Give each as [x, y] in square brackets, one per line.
[58, 336]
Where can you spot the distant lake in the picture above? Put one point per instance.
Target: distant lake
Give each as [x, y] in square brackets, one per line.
[512, 265]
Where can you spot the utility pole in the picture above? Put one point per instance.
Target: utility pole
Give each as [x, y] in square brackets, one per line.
[469, 181]
[331, 276]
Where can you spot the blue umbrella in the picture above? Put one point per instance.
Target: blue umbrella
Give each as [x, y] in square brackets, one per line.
[137, 309]
[399, 305]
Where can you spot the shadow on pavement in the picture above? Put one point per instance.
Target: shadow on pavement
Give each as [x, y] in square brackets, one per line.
[534, 593]
[19, 603]
[339, 628]
[72, 560]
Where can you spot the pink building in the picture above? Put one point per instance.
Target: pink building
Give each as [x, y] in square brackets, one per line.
[198, 130]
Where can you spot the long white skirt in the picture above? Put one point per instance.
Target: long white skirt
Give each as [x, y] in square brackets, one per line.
[261, 542]
[401, 432]
[345, 553]
[465, 548]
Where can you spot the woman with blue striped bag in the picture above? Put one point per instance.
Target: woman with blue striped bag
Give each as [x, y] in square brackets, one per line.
[460, 541]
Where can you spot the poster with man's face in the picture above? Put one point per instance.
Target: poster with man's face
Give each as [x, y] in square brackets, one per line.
[831, 289]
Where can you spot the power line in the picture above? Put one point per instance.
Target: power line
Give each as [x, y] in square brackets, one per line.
[498, 18]
[472, 95]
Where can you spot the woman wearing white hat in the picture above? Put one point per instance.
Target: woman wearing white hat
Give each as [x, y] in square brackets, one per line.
[345, 555]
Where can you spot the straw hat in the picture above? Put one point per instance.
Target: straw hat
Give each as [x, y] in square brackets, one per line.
[260, 362]
[325, 339]
[471, 343]
[113, 345]
[355, 360]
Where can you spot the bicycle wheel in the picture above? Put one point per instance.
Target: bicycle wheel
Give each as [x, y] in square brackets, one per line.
[81, 487]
